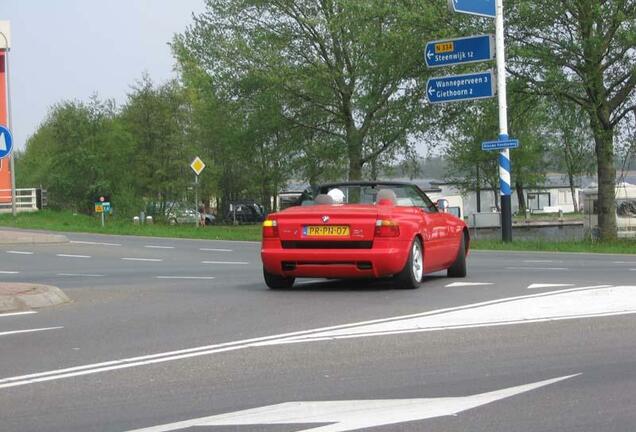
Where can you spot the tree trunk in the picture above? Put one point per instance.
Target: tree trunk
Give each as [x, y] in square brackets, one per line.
[354, 146]
[606, 171]
[520, 197]
[575, 202]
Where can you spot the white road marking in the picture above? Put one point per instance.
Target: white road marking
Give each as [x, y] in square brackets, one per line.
[542, 261]
[573, 303]
[19, 252]
[17, 313]
[349, 415]
[8, 272]
[548, 285]
[187, 277]
[73, 256]
[158, 247]
[461, 284]
[94, 243]
[80, 274]
[29, 330]
[143, 259]
[536, 268]
[215, 250]
[309, 281]
[624, 262]
[225, 262]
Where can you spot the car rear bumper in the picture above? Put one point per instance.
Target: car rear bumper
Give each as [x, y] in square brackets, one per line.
[385, 258]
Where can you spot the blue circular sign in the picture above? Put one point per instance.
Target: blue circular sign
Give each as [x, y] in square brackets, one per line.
[6, 142]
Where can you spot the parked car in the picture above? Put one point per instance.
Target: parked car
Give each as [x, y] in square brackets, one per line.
[364, 230]
[181, 214]
[245, 212]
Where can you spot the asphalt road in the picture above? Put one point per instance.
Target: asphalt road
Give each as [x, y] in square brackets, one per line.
[169, 335]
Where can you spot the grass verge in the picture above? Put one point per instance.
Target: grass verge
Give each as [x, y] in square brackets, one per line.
[617, 247]
[69, 222]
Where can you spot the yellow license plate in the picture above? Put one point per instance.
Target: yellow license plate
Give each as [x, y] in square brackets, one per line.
[326, 231]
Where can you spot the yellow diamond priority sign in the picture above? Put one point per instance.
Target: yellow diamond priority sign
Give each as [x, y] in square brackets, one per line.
[197, 165]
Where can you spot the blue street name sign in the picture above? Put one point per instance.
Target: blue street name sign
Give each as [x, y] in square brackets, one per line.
[6, 142]
[456, 88]
[474, 7]
[500, 145]
[460, 50]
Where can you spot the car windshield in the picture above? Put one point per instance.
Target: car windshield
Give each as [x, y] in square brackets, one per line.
[406, 195]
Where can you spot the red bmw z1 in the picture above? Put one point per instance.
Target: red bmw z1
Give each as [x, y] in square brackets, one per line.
[363, 230]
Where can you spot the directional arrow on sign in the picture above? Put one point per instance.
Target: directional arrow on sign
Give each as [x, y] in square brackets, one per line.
[349, 415]
[6, 142]
[462, 50]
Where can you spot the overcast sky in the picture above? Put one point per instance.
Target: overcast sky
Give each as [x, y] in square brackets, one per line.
[70, 49]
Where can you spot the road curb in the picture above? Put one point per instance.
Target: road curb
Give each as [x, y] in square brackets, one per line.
[25, 296]
[12, 237]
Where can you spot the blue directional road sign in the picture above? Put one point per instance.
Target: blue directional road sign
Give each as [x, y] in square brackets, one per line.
[460, 50]
[500, 144]
[6, 142]
[456, 88]
[474, 7]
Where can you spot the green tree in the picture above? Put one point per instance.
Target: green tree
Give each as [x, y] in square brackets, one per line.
[348, 70]
[583, 51]
[157, 117]
[571, 144]
[80, 152]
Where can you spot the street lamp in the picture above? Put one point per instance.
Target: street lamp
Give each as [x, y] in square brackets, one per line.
[5, 48]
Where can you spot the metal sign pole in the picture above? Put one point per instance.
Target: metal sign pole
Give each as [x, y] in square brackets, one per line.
[8, 89]
[504, 156]
[196, 199]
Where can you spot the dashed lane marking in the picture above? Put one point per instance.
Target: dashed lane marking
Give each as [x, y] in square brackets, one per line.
[143, 259]
[536, 268]
[225, 262]
[215, 250]
[94, 243]
[462, 284]
[548, 285]
[541, 261]
[73, 256]
[19, 252]
[8, 272]
[80, 274]
[29, 330]
[17, 313]
[158, 247]
[187, 277]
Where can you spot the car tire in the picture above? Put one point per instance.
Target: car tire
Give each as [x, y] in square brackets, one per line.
[458, 268]
[277, 282]
[413, 271]
[208, 221]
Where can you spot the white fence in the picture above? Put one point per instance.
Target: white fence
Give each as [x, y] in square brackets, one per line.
[26, 200]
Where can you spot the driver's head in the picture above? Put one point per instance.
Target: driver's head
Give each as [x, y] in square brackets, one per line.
[337, 195]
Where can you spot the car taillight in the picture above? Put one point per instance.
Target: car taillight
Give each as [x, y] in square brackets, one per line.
[270, 228]
[386, 228]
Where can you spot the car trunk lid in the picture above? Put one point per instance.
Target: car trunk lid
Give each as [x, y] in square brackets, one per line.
[338, 225]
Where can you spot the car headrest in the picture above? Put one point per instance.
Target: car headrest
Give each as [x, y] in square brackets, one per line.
[386, 197]
[323, 199]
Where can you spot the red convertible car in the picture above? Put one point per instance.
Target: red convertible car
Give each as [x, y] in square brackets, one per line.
[363, 230]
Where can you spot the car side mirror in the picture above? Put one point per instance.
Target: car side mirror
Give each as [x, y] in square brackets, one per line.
[442, 205]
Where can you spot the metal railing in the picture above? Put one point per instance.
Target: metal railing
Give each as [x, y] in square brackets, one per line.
[31, 199]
